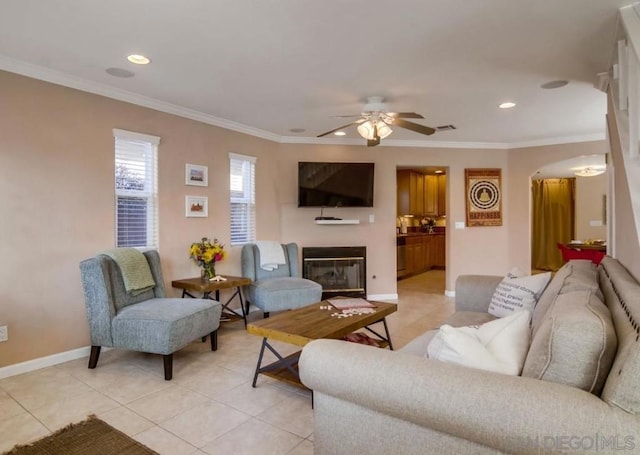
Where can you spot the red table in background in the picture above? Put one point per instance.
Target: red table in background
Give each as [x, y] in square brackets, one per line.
[591, 252]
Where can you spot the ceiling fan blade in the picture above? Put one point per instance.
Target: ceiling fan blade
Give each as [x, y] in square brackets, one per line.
[341, 127]
[422, 129]
[404, 115]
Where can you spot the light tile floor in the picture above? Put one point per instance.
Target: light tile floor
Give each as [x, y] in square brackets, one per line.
[209, 407]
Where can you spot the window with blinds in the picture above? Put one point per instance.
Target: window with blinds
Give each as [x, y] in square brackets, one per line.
[243, 199]
[136, 185]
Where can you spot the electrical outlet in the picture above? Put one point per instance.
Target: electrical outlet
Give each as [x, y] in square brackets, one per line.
[4, 333]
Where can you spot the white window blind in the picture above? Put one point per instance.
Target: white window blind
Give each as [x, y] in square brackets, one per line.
[136, 185]
[243, 198]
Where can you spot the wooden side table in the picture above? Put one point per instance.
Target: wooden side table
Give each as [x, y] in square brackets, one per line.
[189, 285]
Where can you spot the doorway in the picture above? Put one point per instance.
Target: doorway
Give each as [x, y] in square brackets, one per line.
[581, 218]
[553, 204]
[421, 228]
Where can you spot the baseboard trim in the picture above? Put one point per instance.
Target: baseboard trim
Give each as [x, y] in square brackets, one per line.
[450, 293]
[43, 362]
[382, 297]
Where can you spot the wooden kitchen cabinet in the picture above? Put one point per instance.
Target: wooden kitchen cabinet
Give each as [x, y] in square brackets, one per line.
[421, 195]
[404, 192]
[420, 256]
[415, 264]
[410, 194]
[424, 252]
[439, 248]
[442, 195]
[430, 198]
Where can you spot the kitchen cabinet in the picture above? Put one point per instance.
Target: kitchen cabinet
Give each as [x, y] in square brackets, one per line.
[442, 195]
[430, 198]
[421, 195]
[410, 195]
[424, 252]
[415, 255]
[438, 247]
[421, 260]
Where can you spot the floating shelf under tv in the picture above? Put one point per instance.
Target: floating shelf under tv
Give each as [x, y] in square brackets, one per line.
[337, 221]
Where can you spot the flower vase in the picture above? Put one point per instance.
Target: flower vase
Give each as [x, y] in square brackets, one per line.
[208, 272]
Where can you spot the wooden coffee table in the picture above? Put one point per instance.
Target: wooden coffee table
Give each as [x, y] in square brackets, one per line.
[300, 326]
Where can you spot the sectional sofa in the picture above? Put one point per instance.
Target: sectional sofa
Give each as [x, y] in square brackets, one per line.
[578, 392]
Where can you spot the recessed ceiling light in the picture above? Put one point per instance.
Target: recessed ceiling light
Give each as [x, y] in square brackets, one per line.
[554, 84]
[589, 171]
[507, 105]
[439, 171]
[340, 133]
[138, 59]
[297, 130]
[119, 72]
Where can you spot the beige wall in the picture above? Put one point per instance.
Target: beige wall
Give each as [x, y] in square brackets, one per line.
[589, 207]
[57, 203]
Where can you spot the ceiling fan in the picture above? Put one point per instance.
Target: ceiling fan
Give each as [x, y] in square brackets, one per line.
[375, 120]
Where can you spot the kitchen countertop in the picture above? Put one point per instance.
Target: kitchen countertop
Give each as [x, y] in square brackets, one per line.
[439, 230]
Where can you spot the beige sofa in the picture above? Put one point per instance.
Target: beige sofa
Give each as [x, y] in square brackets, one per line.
[579, 391]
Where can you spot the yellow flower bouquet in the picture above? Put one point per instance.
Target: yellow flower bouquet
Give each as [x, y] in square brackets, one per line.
[206, 253]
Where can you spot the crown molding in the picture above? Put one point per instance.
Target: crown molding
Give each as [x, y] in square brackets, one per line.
[559, 140]
[392, 143]
[445, 144]
[59, 78]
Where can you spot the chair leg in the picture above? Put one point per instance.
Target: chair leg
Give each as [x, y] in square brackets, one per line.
[93, 358]
[266, 314]
[168, 367]
[214, 340]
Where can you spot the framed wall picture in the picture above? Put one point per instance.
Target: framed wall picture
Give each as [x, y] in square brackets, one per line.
[483, 191]
[196, 175]
[197, 206]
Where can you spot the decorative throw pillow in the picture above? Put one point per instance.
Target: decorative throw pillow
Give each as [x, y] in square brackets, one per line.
[500, 345]
[515, 294]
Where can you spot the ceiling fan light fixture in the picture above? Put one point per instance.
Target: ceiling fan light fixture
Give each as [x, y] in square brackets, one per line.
[366, 130]
[383, 130]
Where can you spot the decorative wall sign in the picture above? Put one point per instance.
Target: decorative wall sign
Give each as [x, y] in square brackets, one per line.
[484, 197]
[196, 175]
[197, 206]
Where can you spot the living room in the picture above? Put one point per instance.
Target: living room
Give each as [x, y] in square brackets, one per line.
[56, 164]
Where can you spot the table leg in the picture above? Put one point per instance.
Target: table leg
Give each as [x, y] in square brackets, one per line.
[386, 338]
[231, 311]
[289, 363]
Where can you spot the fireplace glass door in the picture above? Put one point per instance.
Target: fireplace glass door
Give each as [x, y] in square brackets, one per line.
[340, 270]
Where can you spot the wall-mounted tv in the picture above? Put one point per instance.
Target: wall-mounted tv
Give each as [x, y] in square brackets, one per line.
[335, 184]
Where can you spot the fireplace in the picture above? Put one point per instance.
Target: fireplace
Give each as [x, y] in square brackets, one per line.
[341, 270]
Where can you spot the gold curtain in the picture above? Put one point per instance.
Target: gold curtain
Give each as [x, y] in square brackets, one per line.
[553, 220]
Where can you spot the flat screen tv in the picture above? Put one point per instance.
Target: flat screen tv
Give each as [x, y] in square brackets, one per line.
[335, 184]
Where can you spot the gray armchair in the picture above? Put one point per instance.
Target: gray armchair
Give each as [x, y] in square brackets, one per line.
[146, 322]
[280, 289]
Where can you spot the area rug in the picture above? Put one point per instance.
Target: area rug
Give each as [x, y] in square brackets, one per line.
[91, 436]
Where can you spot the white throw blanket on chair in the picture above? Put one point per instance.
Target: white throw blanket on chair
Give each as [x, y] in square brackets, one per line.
[271, 254]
